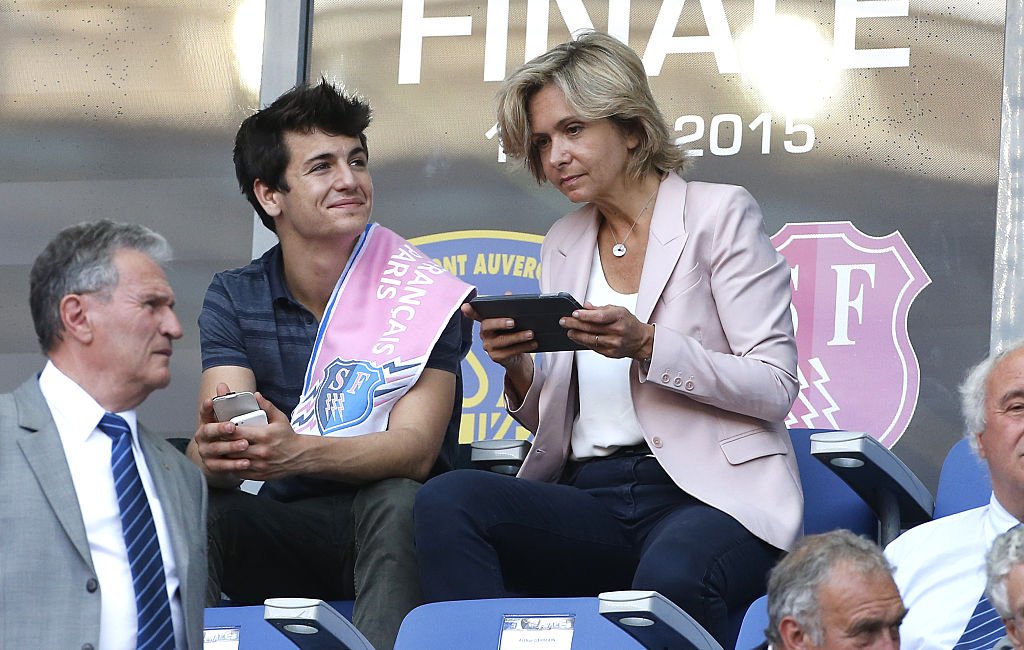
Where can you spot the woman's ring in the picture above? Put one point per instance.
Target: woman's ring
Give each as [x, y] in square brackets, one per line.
[597, 339]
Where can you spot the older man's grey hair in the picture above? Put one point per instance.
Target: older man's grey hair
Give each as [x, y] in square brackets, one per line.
[1006, 552]
[795, 582]
[973, 389]
[79, 260]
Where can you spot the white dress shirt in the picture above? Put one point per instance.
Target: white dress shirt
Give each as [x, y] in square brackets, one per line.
[940, 572]
[87, 449]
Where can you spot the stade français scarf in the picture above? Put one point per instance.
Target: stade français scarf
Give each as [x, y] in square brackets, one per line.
[387, 311]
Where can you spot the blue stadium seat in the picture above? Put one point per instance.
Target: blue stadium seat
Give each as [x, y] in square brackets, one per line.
[343, 607]
[255, 633]
[964, 483]
[473, 624]
[598, 623]
[755, 622]
[829, 504]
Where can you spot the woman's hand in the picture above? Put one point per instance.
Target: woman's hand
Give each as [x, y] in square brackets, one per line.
[509, 349]
[504, 346]
[610, 330]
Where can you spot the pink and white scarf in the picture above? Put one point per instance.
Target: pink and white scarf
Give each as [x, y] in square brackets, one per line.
[387, 311]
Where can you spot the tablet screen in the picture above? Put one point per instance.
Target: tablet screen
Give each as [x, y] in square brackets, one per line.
[537, 312]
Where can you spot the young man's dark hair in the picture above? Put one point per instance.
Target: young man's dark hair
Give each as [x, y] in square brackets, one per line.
[260, 149]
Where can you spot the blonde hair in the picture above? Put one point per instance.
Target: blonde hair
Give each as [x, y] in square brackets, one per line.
[601, 78]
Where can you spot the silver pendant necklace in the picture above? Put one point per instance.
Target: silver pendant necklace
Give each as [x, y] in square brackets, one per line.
[619, 249]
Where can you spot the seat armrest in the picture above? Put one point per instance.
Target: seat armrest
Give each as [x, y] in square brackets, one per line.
[313, 624]
[886, 484]
[654, 621]
[502, 456]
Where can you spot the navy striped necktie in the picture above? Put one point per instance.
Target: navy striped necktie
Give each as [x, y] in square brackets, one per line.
[156, 629]
[983, 629]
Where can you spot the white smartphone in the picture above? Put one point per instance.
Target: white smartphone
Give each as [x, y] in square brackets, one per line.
[240, 408]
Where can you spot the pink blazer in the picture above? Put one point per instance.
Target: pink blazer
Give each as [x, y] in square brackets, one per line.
[723, 374]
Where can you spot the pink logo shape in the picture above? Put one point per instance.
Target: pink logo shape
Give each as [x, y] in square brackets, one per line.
[851, 297]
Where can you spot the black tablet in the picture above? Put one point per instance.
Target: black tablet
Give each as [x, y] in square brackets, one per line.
[532, 311]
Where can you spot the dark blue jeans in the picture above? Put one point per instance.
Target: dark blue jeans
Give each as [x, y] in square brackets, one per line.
[353, 544]
[611, 524]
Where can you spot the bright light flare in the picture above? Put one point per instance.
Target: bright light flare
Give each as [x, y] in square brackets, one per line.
[247, 37]
[789, 62]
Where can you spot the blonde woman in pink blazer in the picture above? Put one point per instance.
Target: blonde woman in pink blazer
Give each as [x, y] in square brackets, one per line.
[660, 460]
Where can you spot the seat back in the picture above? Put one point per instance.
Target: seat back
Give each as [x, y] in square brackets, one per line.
[755, 622]
[253, 632]
[343, 607]
[964, 482]
[829, 503]
[478, 623]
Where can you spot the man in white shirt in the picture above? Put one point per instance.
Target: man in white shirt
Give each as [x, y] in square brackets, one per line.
[940, 565]
[102, 525]
[833, 591]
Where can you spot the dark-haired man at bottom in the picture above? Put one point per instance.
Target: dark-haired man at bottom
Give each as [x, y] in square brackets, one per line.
[370, 370]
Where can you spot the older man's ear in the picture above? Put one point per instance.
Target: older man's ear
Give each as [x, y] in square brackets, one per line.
[75, 319]
[793, 636]
[979, 443]
[1015, 634]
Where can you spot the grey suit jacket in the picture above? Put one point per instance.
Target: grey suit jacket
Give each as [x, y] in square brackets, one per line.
[49, 594]
[723, 374]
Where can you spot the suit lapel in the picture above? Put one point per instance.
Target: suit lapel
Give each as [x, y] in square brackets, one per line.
[579, 239]
[664, 245]
[171, 496]
[45, 455]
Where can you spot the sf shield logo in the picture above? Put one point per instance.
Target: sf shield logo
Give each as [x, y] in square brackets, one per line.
[851, 297]
[345, 396]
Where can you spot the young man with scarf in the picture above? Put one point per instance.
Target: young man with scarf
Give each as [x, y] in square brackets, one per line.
[350, 336]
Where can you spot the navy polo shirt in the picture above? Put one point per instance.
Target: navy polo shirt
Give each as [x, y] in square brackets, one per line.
[250, 319]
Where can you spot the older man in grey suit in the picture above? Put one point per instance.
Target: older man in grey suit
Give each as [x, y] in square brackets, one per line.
[102, 525]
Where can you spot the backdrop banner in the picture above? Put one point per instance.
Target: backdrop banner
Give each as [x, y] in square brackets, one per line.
[878, 122]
